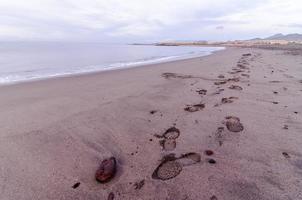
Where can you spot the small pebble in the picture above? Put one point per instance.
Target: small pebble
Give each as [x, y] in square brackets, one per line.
[209, 152]
[76, 185]
[285, 154]
[211, 161]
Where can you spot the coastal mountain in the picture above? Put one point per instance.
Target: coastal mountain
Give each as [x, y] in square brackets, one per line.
[289, 37]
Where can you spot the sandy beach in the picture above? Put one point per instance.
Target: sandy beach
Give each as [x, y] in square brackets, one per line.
[236, 119]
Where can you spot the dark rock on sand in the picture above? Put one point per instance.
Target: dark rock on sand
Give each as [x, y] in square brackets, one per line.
[285, 127]
[106, 170]
[76, 185]
[208, 152]
[211, 161]
[153, 112]
[286, 155]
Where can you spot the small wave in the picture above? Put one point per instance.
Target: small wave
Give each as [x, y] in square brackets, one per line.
[30, 75]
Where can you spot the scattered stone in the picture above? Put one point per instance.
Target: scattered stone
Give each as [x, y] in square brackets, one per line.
[275, 92]
[209, 152]
[194, 108]
[286, 155]
[76, 185]
[211, 161]
[153, 112]
[139, 185]
[275, 102]
[296, 112]
[285, 127]
[106, 171]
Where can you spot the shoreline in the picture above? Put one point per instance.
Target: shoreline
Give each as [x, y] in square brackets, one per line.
[114, 66]
[242, 104]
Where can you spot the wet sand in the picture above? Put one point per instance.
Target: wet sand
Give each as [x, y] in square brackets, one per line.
[224, 126]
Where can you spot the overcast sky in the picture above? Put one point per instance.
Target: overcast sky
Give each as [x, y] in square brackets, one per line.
[147, 20]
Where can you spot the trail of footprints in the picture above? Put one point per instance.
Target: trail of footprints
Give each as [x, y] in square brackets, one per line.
[171, 165]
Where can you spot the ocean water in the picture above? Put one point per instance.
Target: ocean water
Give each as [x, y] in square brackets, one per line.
[23, 61]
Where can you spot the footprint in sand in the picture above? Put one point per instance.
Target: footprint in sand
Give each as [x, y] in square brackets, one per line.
[171, 166]
[233, 124]
[110, 196]
[245, 75]
[202, 92]
[218, 91]
[226, 100]
[220, 82]
[170, 136]
[168, 75]
[168, 144]
[235, 87]
[219, 135]
[194, 108]
[235, 79]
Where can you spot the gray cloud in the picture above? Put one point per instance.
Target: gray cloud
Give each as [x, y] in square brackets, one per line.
[119, 20]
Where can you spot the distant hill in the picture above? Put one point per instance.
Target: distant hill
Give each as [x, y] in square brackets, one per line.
[289, 37]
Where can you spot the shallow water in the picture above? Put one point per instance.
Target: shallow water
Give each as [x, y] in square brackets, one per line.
[21, 61]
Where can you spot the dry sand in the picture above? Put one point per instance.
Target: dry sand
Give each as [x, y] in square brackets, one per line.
[54, 133]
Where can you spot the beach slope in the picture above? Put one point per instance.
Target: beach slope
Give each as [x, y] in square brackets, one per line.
[224, 126]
